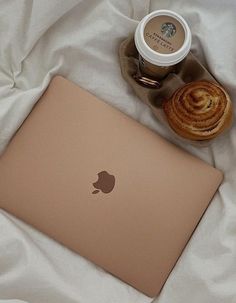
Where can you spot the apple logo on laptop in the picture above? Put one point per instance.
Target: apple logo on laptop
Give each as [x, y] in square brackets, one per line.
[105, 183]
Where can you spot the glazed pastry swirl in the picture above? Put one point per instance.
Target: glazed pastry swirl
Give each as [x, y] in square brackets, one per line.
[199, 110]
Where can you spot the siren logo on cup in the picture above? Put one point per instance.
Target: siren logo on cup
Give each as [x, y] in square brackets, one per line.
[164, 34]
[168, 29]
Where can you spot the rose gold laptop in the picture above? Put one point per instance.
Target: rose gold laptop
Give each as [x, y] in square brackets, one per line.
[105, 186]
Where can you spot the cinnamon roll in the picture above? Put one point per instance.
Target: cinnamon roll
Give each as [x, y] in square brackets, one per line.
[199, 110]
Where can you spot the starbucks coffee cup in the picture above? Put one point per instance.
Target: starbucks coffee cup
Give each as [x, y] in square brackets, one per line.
[163, 39]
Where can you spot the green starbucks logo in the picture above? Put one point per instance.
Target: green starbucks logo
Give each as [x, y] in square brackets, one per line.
[168, 29]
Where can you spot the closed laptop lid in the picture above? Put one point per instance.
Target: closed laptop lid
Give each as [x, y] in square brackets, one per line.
[104, 185]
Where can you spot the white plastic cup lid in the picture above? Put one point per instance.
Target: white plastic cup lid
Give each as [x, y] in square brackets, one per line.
[155, 57]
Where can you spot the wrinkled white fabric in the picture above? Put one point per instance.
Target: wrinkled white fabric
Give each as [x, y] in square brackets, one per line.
[79, 40]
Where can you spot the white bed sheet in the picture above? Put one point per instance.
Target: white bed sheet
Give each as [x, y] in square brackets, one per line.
[79, 40]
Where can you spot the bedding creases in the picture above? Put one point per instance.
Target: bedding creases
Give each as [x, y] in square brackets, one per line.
[79, 40]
